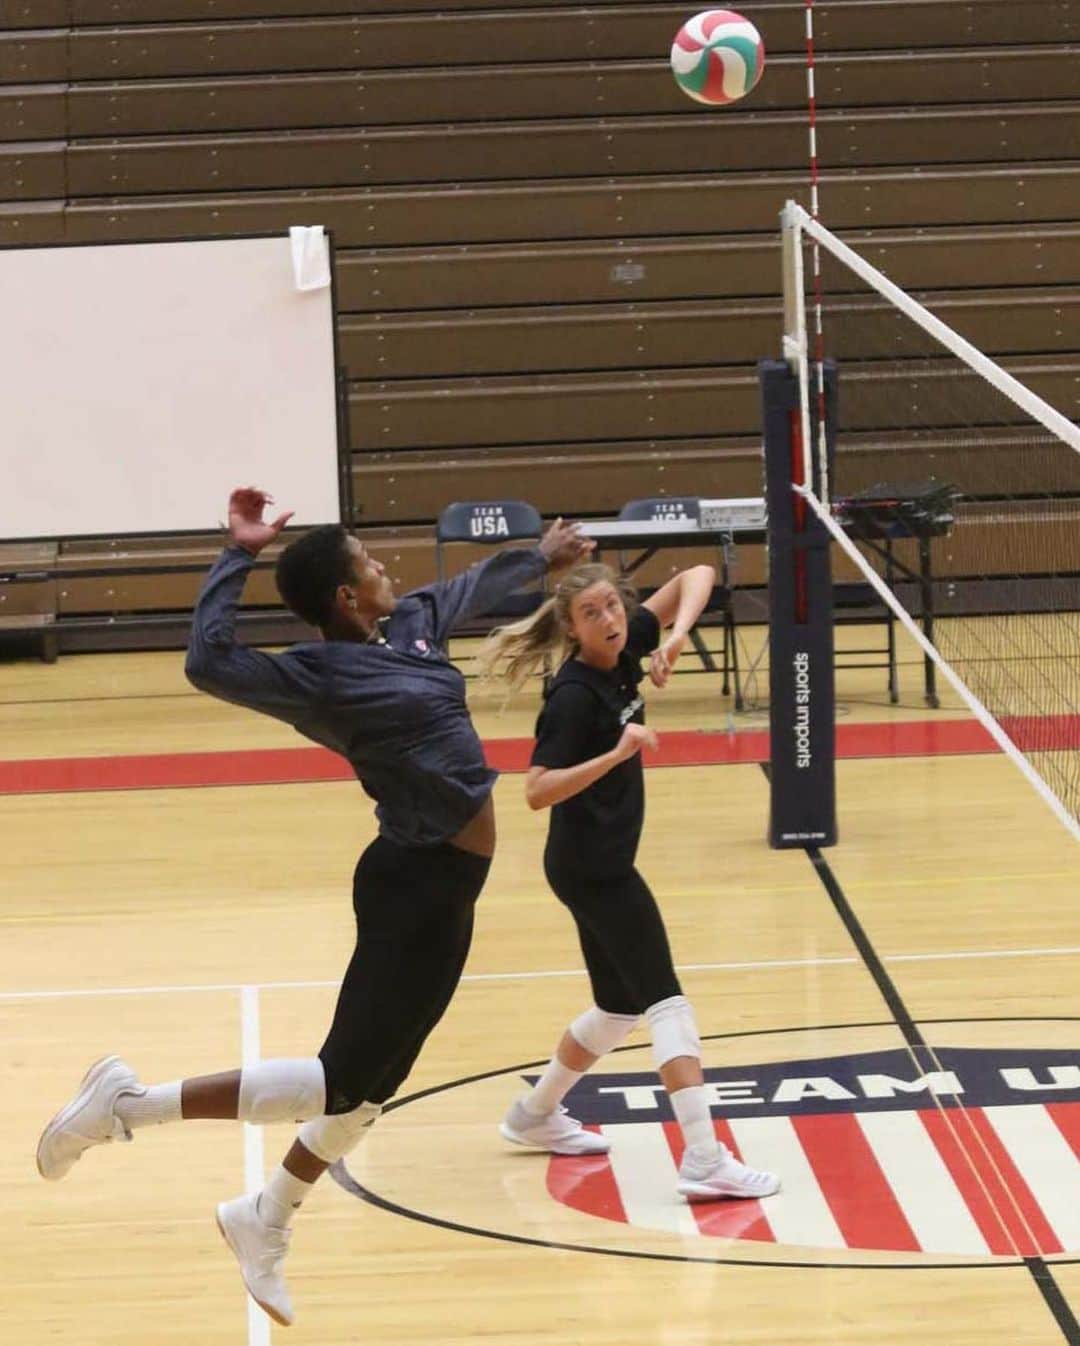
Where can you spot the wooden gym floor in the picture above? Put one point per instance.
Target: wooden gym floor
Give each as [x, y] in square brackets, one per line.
[192, 926]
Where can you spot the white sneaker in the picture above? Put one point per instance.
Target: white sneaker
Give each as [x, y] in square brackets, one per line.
[89, 1119]
[557, 1131]
[260, 1249]
[726, 1176]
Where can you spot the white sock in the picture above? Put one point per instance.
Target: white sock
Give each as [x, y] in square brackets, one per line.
[282, 1197]
[551, 1088]
[691, 1110]
[151, 1106]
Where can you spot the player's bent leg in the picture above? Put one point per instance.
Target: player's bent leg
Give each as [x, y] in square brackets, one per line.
[89, 1119]
[709, 1171]
[600, 1031]
[539, 1120]
[111, 1103]
[260, 1249]
[331, 1138]
[256, 1227]
[673, 1030]
[282, 1089]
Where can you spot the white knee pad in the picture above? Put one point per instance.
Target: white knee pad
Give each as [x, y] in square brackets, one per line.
[600, 1032]
[674, 1030]
[282, 1089]
[330, 1138]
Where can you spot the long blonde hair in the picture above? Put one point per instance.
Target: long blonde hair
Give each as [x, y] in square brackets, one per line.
[511, 653]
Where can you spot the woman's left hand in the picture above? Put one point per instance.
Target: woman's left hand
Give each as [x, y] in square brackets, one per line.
[663, 659]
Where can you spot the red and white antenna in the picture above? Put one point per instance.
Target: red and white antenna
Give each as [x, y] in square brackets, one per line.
[819, 338]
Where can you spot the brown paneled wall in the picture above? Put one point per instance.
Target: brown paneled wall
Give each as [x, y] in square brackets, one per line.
[556, 273]
[626, 212]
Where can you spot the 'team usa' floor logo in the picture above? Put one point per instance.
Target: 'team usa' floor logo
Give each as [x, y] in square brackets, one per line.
[958, 1156]
[977, 1157]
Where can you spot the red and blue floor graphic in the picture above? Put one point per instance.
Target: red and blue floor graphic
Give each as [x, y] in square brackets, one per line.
[979, 1158]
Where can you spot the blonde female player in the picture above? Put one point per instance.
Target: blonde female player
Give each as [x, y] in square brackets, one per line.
[586, 768]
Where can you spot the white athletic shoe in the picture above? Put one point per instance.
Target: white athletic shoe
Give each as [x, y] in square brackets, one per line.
[89, 1119]
[558, 1132]
[260, 1249]
[723, 1177]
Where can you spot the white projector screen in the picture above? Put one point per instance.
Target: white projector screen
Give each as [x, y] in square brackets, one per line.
[139, 383]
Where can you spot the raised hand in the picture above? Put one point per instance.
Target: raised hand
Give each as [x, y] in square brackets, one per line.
[246, 526]
[563, 545]
[663, 659]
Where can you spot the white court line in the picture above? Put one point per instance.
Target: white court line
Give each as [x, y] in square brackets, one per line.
[254, 1171]
[978, 953]
[762, 966]
[251, 1054]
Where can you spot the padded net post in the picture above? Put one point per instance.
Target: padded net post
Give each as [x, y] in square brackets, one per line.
[802, 776]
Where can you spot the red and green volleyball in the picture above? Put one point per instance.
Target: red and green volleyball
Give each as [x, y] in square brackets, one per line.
[717, 56]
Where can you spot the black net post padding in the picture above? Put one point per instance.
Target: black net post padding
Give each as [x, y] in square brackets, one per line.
[802, 706]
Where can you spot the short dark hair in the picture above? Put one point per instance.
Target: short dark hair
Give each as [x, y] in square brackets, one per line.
[310, 570]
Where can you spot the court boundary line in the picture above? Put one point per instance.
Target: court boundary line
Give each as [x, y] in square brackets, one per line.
[1048, 1288]
[764, 965]
[258, 1324]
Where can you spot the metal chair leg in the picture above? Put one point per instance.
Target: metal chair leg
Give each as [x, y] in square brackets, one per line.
[703, 652]
[729, 634]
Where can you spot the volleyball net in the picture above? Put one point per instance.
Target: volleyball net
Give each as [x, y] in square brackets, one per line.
[935, 415]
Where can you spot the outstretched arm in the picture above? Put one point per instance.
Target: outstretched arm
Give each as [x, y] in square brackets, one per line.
[482, 587]
[216, 663]
[678, 604]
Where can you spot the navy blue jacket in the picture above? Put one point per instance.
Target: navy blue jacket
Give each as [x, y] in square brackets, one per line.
[396, 711]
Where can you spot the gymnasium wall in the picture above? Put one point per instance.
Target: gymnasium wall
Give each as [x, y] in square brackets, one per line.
[556, 273]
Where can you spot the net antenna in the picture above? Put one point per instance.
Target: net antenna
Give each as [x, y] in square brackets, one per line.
[1015, 627]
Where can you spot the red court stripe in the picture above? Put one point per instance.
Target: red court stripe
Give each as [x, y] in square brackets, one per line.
[1023, 1202]
[274, 766]
[1043, 733]
[154, 771]
[985, 1198]
[857, 1191]
[687, 747]
[586, 1183]
[1066, 1117]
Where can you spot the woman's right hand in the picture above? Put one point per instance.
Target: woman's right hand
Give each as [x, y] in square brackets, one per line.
[246, 526]
[634, 738]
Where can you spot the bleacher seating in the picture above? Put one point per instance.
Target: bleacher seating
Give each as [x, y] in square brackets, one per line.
[556, 274]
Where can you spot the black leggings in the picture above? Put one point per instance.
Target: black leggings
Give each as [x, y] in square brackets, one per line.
[414, 922]
[622, 937]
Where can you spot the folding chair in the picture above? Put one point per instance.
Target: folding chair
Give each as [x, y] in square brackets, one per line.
[490, 523]
[675, 507]
[861, 605]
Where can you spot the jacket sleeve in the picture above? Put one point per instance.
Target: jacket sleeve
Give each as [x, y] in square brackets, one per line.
[481, 588]
[279, 685]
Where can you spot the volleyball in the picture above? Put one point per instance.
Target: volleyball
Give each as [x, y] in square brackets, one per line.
[717, 57]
